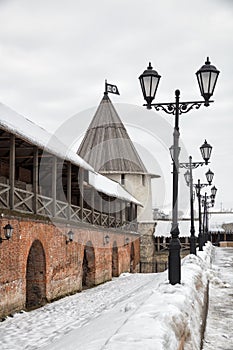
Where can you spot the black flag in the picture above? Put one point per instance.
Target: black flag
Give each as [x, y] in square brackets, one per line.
[111, 88]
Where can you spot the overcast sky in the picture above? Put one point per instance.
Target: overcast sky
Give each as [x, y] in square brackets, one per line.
[56, 54]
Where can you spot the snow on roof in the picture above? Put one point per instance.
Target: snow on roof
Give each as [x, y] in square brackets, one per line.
[163, 228]
[110, 187]
[24, 128]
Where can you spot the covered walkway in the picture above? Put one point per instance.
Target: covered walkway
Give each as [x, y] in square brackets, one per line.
[219, 328]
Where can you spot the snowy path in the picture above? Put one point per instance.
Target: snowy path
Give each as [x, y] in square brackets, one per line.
[55, 322]
[219, 331]
[135, 311]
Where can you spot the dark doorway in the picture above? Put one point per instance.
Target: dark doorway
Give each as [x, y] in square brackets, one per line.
[115, 272]
[35, 276]
[88, 279]
[132, 257]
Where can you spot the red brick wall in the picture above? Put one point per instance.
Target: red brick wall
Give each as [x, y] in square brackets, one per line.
[62, 269]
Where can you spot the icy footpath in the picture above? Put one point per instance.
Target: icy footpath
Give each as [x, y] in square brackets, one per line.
[218, 334]
[134, 311]
[172, 317]
[158, 317]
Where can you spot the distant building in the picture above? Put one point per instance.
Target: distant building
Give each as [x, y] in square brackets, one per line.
[221, 226]
[159, 215]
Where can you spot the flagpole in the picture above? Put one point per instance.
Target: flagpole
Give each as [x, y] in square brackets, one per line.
[105, 92]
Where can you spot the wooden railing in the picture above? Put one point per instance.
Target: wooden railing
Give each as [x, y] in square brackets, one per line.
[104, 220]
[87, 213]
[75, 213]
[4, 195]
[97, 218]
[27, 202]
[162, 244]
[45, 205]
[23, 200]
[62, 210]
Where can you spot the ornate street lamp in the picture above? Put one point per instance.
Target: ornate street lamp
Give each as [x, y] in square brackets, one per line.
[8, 232]
[209, 176]
[126, 241]
[106, 239]
[213, 191]
[207, 77]
[198, 188]
[205, 152]
[207, 204]
[212, 201]
[187, 177]
[70, 235]
[149, 80]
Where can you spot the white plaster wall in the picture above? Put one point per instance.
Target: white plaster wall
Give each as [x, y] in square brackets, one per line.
[134, 185]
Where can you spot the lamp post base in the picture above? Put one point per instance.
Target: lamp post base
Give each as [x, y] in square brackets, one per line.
[193, 245]
[174, 273]
[200, 243]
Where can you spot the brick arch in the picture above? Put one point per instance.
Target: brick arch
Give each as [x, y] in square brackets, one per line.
[115, 260]
[36, 276]
[132, 258]
[88, 266]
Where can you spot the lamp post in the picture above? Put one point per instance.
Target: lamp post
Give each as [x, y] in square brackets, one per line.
[206, 150]
[198, 187]
[207, 77]
[208, 202]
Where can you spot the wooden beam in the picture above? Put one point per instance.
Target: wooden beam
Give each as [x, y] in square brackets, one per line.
[121, 212]
[12, 171]
[26, 156]
[115, 211]
[92, 204]
[81, 188]
[101, 208]
[68, 193]
[54, 184]
[35, 179]
[109, 209]
[131, 212]
[135, 211]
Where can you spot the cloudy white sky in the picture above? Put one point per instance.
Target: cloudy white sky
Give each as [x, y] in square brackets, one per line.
[56, 54]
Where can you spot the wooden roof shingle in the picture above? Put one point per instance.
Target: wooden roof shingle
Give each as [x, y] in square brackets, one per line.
[106, 145]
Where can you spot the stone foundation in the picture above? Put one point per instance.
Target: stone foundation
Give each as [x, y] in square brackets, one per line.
[147, 246]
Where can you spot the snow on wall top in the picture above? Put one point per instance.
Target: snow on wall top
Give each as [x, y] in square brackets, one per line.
[163, 228]
[24, 128]
[216, 220]
[221, 218]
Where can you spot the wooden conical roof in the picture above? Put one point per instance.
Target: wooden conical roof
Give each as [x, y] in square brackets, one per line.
[106, 145]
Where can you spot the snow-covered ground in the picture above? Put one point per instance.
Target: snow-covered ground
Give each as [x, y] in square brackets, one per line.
[219, 328]
[134, 311]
